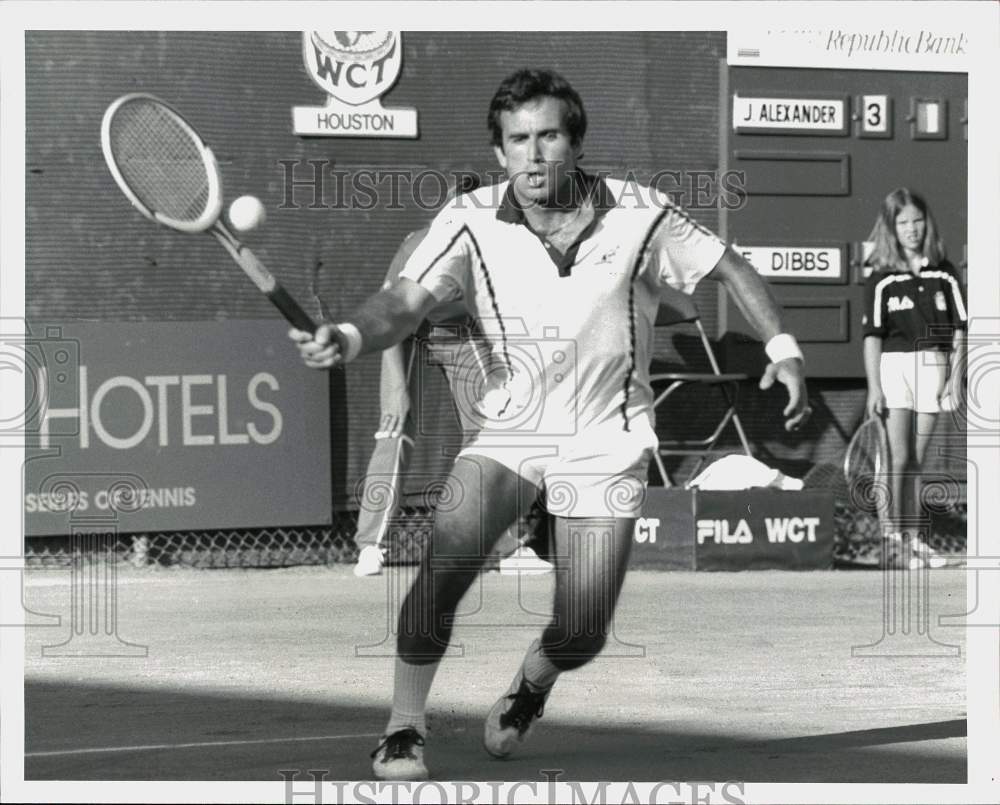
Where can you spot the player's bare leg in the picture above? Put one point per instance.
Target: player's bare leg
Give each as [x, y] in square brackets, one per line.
[898, 423]
[921, 440]
[591, 557]
[487, 498]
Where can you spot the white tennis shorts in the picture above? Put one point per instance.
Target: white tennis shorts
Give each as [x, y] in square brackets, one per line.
[914, 380]
[599, 472]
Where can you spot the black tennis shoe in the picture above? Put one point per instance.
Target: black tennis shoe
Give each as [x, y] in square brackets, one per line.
[400, 756]
[513, 717]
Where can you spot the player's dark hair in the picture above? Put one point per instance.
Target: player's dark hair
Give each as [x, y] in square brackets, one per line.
[523, 86]
[888, 254]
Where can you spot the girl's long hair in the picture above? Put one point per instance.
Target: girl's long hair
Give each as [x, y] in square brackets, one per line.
[888, 253]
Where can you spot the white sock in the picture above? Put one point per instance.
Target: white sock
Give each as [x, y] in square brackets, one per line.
[538, 670]
[411, 685]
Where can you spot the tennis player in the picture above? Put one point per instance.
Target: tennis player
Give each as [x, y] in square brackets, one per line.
[914, 343]
[564, 271]
[448, 339]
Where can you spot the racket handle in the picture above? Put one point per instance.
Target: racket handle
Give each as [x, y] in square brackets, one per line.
[263, 279]
[291, 309]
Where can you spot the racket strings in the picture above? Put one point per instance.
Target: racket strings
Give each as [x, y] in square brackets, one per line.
[160, 160]
[863, 468]
[863, 459]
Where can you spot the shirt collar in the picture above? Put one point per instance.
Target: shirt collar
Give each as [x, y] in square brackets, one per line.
[589, 186]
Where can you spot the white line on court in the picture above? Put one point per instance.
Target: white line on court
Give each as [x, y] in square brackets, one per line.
[197, 744]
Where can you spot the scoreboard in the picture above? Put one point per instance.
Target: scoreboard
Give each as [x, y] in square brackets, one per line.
[817, 149]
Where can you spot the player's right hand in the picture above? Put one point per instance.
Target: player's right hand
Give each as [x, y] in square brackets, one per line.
[875, 405]
[321, 350]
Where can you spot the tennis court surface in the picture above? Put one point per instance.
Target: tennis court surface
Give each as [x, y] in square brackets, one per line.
[728, 676]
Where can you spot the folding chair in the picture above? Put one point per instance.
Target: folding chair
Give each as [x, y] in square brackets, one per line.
[678, 308]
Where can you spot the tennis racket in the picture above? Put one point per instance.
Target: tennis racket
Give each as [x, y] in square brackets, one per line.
[171, 176]
[865, 465]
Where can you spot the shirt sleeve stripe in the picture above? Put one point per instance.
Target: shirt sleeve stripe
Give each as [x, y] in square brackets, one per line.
[448, 248]
[957, 295]
[493, 300]
[704, 230]
[956, 291]
[464, 230]
[877, 305]
[639, 258]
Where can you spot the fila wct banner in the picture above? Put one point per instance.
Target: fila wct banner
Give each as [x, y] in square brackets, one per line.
[745, 529]
[173, 426]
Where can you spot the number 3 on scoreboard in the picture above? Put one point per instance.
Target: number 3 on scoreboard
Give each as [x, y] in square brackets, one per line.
[876, 116]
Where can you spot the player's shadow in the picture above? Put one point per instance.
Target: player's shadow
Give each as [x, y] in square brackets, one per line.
[178, 734]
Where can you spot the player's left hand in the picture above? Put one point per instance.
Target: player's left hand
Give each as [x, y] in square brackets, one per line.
[790, 373]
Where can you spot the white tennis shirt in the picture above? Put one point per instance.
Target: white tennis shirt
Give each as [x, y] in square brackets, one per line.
[570, 334]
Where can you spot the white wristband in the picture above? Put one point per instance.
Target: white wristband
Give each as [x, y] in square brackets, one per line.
[353, 336]
[782, 347]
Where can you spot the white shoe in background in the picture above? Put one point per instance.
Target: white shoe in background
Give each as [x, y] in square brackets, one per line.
[370, 561]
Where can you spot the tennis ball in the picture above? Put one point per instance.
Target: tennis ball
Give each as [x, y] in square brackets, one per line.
[246, 213]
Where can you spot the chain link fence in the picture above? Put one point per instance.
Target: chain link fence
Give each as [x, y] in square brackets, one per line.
[246, 547]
